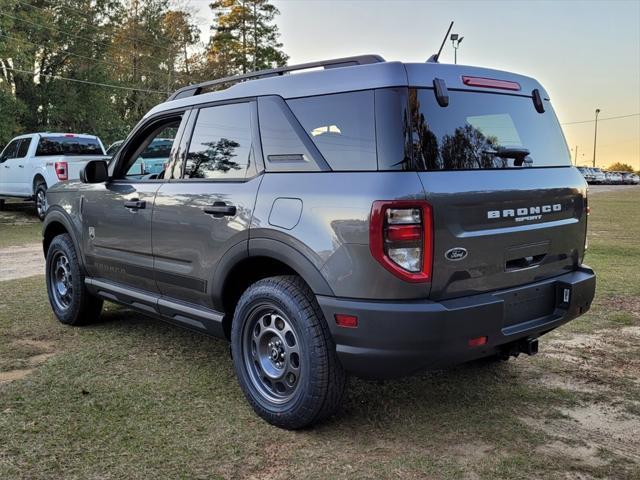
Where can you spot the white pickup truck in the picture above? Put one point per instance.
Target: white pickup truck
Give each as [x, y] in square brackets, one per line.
[30, 164]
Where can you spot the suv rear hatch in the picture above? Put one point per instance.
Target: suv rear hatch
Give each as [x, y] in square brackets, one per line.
[508, 207]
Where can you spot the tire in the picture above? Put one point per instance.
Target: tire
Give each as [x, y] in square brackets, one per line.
[72, 304]
[41, 200]
[283, 354]
[1, 204]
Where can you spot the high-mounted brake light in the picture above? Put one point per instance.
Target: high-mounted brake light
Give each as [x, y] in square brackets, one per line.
[401, 238]
[490, 83]
[62, 170]
[69, 135]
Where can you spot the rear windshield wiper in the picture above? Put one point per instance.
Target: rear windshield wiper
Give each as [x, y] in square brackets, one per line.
[520, 155]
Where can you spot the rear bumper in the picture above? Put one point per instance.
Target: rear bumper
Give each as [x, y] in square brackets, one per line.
[399, 338]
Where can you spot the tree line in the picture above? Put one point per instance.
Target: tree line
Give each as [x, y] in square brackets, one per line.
[97, 66]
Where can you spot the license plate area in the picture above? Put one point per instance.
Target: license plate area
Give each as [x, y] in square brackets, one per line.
[528, 304]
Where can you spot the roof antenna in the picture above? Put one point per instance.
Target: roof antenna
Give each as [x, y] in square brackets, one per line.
[434, 58]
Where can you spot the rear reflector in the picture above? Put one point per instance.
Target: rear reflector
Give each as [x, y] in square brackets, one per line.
[490, 83]
[62, 171]
[479, 341]
[400, 233]
[347, 321]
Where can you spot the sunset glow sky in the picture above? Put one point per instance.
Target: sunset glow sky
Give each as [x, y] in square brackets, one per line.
[585, 53]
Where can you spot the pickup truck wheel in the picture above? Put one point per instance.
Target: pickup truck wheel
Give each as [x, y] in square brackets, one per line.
[284, 355]
[41, 200]
[71, 302]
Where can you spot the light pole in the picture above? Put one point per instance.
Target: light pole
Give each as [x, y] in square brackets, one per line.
[595, 138]
[455, 41]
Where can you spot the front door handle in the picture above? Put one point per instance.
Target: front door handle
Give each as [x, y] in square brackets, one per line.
[135, 204]
[220, 209]
[21, 166]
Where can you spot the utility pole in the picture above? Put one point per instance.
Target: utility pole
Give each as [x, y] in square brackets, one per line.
[576, 153]
[595, 138]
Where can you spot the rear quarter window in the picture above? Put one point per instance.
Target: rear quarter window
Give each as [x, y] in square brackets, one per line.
[342, 126]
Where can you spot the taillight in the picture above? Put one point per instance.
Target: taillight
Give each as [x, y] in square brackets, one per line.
[62, 170]
[401, 238]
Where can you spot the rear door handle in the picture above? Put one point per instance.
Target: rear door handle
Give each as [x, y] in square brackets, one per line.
[220, 209]
[21, 166]
[135, 204]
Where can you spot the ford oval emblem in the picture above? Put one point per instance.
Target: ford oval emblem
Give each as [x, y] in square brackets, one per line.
[455, 254]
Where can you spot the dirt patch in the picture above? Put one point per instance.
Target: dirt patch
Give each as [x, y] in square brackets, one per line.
[619, 303]
[16, 218]
[594, 364]
[588, 431]
[46, 351]
[21, 262]
[13, 375]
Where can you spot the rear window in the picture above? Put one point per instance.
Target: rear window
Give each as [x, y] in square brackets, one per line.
[483, 131]
[68, 146]
[342, 126]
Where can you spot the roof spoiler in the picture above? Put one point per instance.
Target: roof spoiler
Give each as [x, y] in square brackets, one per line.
[198, 88]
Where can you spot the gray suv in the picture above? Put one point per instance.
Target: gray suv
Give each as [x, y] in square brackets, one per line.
[365, 217]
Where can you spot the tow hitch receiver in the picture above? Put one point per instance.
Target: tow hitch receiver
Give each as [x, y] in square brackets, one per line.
[527, 345]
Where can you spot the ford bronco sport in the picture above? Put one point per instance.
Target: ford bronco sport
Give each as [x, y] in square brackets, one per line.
[366, 217]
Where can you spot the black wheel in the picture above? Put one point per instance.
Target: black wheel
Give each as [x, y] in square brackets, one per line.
[69, 298]
[284, 355]
[41, 200]
[1, 204]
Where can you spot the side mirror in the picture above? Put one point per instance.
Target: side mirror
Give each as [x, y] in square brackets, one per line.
[94, 171]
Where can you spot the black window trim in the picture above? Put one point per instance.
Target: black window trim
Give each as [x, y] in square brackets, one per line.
[142, 126]
[307, 141]
[256, 145]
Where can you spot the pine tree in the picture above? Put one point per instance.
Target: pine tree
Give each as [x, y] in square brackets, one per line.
[245, 38]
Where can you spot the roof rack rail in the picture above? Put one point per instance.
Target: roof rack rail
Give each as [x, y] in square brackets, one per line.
[197, 89]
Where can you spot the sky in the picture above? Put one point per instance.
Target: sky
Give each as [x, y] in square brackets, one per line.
[585, 53]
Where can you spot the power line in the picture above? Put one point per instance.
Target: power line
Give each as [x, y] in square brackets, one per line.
[104, 62]
[108, 85]
[602, 119]
[94, 42]
[86, 23]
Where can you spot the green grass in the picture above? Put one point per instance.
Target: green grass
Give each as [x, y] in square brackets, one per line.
[19, 224]
[134, 398]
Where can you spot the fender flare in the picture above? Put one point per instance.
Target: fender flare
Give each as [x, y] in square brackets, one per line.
[55, 214]
[269, 248]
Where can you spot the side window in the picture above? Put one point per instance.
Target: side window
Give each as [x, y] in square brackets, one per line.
[148, 154]
[221, 143]
[342, 126]
[9, 151]
[24, 148]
